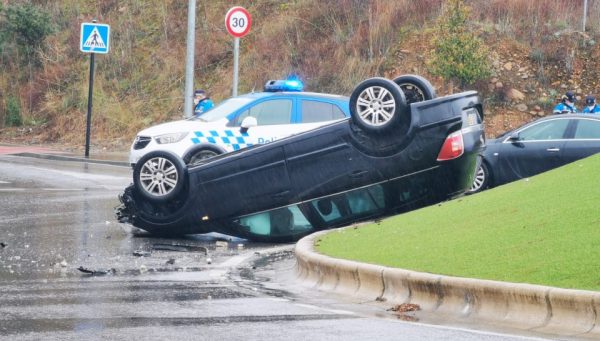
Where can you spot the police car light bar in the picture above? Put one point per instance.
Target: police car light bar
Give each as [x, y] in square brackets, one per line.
[284, 85]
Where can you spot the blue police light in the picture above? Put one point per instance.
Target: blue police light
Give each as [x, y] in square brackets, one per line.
[284, 85]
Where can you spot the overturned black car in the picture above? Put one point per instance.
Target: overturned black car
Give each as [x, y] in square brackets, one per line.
[402, 149]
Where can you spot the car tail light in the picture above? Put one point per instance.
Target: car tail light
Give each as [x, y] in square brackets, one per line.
[453, 147]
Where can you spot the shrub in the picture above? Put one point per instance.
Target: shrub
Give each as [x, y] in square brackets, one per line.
[28, 25]
[459, 54]
[13, 112]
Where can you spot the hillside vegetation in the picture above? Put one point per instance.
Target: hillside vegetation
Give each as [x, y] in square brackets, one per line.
[536, 51]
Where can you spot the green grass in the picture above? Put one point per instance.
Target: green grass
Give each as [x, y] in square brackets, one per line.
[542, 230]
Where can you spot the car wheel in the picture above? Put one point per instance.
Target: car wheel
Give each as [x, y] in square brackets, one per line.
[378, 105]
[481, 180]
[159, 176]
[201, 155]
[415, 88]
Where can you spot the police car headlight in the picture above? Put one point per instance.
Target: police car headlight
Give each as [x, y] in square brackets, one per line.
[170, 138]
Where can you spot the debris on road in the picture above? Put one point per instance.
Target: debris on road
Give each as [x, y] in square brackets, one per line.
[405, 311]
[179, 247]
[96, 272]
[405, 307]
[220, 243]
[141, 253]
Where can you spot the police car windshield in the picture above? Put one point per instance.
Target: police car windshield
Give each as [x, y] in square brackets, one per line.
[223, 109]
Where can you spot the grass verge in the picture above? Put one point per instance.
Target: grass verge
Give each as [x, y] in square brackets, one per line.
[541, 230]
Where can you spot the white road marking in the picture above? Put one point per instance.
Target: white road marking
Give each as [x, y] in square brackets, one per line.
[333, 311]
[62, 189]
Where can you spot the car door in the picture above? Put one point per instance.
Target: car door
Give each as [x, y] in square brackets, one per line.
[584, 141]
[536, 149]
[255, 181]
[323, 162]
[274, 118]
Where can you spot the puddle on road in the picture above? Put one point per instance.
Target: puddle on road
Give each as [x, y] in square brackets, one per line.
[80, 325]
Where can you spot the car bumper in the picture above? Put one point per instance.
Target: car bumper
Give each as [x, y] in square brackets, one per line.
[179, 148]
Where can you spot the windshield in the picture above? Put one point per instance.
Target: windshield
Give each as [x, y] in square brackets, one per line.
[223, 109]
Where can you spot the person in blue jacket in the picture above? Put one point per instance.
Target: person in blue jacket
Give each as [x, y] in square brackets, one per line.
[591, 106]
[567, 105]
[202, 103]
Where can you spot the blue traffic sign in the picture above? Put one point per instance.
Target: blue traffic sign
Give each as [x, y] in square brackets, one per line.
[94, 38]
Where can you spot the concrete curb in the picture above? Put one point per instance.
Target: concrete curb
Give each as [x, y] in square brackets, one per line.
[522, 306]
[72, 159]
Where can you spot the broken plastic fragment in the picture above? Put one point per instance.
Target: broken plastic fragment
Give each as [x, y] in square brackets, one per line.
[179, 247]
[96, 272]
[141, 253]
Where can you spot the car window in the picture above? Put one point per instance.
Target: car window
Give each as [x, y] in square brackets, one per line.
[223, 109]
[351, 204]
[276, 111]
[547, 130]
[315, 111]
[588, 129]
[284, 221]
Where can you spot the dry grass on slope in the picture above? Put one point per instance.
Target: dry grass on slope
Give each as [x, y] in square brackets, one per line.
[332, 44]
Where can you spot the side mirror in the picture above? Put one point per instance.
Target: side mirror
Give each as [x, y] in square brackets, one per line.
[514, 137]
[248, 122]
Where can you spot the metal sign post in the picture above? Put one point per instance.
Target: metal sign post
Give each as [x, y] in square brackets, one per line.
[237, 22]
[236, 57]
[94, 39]
[88, 123]
[188, 110]
[585, 7]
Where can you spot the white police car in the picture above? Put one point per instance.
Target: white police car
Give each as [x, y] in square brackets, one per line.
[239, 122]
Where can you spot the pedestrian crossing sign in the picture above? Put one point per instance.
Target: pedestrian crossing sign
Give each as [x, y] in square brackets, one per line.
[94, 38]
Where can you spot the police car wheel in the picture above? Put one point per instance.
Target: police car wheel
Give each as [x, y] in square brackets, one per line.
[159, 176]
[415, 88]
[378, 105]
[201, 155]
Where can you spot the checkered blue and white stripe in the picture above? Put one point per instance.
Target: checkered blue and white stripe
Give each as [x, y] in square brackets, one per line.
[226, 138]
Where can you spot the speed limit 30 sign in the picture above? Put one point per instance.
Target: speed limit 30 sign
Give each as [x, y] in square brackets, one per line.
[238, 21]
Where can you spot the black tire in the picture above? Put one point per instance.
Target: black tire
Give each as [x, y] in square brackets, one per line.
[415, 88]
[199, 155]
[378, 105]
[481, 181]
[159, 176]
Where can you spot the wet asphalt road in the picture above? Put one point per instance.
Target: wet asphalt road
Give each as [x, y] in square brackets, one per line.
[70, 271]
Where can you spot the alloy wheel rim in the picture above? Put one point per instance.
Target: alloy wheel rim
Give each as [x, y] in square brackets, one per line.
[375, 106]
[158, 176]
[479, 179]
